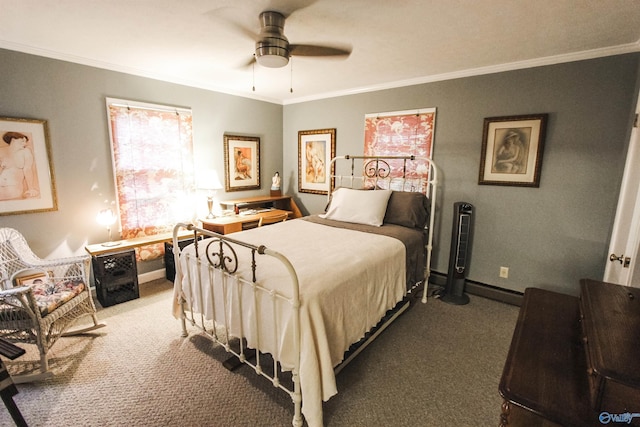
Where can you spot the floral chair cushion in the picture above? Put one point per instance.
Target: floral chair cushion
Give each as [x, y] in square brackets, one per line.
[50, 294]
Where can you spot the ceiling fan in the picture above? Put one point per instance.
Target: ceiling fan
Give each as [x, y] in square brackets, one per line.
[273, 49]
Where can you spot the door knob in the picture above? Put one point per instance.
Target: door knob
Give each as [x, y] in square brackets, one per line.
[613, 257]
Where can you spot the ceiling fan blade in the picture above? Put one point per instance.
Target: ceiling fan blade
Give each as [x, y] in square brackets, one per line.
[235, 19]
[243, 30]
[288, 7]
[313, 50]
[248, 63]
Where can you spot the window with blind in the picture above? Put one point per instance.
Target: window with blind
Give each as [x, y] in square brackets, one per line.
[153, 168]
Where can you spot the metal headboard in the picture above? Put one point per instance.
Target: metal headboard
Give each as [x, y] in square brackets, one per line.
[395, 173]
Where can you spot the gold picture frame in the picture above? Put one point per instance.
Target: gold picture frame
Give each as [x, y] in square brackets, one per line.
[316, 149]
[25, 167]
[30, 279]
[241, 163]
[512, 148]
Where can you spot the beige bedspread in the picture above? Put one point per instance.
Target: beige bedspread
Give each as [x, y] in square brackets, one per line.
[348, 280]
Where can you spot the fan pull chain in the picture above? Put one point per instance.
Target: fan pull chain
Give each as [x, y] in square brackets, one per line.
[253, 69]
[291, 85]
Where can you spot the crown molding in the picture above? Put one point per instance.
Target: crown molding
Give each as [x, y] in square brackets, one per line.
[518, 65]
[512, 66]
[139, 72]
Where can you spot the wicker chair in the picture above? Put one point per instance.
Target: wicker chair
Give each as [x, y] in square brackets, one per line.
[40, 299]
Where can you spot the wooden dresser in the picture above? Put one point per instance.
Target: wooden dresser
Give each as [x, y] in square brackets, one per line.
[574, 361]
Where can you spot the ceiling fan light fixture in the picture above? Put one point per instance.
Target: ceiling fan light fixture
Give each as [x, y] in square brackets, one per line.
[271, 56]
[272, 49]
[273, 61]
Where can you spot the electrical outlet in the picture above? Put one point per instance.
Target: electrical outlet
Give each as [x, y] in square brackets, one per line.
[504, 272]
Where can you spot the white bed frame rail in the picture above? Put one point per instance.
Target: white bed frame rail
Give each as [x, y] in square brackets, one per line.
[218, 253]
[379, 171]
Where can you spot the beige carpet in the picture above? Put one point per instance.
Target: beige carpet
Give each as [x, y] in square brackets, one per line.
[438, 365]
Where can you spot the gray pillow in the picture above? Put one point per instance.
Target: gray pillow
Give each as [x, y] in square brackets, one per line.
[407, 209]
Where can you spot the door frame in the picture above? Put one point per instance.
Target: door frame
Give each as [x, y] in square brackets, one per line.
[625, 236]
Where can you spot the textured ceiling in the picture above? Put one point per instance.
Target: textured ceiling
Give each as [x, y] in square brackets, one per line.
[204, 43]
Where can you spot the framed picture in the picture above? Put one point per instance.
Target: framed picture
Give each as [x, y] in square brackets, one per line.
[316, 148]
[26, 172]
[32, 279]
[512, 150]
[241, 163]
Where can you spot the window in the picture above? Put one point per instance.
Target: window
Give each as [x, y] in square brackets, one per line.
[153, 168]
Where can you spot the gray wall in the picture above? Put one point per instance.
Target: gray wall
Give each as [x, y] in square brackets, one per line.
[71, 98]
[549, 236]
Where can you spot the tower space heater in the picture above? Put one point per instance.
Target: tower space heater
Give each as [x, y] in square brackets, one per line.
[460, 252]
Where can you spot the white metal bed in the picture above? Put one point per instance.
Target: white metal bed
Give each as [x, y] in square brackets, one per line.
[286, 291]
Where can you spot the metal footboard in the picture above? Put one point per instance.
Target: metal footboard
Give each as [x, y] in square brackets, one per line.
[224, 290]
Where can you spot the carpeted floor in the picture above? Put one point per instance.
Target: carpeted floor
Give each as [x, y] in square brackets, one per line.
[437, 365]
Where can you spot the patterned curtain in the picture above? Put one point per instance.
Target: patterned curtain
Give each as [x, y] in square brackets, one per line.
[401, 133]
[154, 171]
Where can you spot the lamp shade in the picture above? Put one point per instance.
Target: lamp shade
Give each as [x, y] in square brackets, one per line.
[106, 217]
[208, 180]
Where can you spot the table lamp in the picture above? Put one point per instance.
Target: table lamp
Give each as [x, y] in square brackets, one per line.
[209, 181]
[106, 217]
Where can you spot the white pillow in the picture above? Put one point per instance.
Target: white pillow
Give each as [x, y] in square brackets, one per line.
[358, 206]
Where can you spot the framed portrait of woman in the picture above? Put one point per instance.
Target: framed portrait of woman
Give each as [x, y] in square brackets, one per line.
[316, 148]
[512, 150]
[26, 174]
[241, 163]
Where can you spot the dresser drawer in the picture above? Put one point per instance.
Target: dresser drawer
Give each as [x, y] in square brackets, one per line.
[610, 319]
[609, 395]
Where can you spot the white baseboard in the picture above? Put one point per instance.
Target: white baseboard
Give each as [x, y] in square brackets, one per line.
[152, 275]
